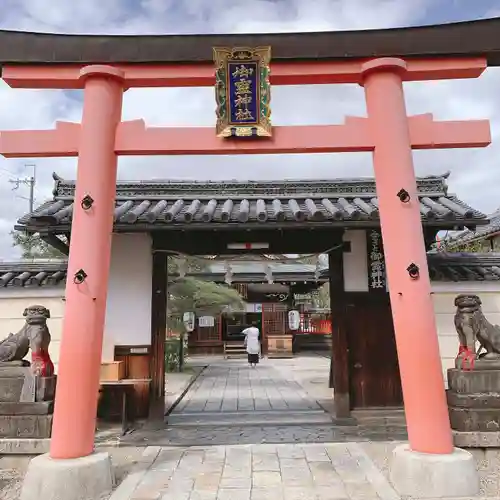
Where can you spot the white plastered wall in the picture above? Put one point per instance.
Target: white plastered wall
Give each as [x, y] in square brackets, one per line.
[128, 310]
[444, 293]
[13, 302]
[444, 296]
[356, 262]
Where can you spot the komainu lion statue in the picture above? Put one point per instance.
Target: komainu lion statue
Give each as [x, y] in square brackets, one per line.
[33, 335]
[472, 326]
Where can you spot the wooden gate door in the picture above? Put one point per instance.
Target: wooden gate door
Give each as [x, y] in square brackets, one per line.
[374, 379]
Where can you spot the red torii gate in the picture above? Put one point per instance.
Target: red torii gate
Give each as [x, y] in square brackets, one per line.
[387, 131]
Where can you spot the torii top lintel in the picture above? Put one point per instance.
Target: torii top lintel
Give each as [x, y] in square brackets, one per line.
[464, 39]
[34, 68]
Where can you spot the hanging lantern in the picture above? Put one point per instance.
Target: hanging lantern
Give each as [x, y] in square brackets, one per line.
[293, 320]
[269, 275]
[317, 271]
[188, 319]
[182, 268]
[229, 274]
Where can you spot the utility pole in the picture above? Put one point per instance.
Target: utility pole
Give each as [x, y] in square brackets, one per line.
[27, 181]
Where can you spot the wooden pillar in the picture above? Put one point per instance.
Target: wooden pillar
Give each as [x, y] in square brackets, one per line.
[413, 314]
[339, 368]
[88, 267]
[158, 332]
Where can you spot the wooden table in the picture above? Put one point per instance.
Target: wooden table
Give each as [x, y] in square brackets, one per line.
[126, 386]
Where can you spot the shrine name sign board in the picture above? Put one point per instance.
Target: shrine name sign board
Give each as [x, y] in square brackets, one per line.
[377, 279]
[242, 91]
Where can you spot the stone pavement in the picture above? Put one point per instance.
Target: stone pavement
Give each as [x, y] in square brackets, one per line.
[277, 402]
[258, 472]
[229, 392]
[253, 456]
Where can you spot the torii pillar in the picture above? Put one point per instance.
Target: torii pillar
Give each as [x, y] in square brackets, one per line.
[90, 255]
[411, 300]
[90, 474]
[426, 409]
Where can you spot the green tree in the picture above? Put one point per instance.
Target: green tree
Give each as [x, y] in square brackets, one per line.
[202, 297]
[189, 263]
[322, 299]
[190, 294]
[33, 247]
[476, 246]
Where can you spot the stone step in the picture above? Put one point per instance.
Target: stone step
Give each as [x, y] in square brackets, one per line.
[246, 413]
[381, 420]
[379, 412]
[41, 408]
[262, 418]
[25, 426]
[380, 417]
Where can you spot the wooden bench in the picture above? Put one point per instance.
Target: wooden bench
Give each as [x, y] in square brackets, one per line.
[234, 349]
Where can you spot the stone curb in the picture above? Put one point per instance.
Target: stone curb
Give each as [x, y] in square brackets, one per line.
[193, 379]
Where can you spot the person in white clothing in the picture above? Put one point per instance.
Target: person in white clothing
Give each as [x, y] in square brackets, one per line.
[252, 343]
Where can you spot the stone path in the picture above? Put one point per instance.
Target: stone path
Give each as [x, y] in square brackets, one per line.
[258, 472]
[229, 392]
[277, 402]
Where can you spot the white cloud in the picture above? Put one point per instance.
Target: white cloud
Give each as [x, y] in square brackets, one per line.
[474, 172]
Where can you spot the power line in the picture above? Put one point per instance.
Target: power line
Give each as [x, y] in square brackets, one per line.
[27, 181]
[4, 171]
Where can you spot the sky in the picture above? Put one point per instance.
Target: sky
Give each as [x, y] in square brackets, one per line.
[475, 173]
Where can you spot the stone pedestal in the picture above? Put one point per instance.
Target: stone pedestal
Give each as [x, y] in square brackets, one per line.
[474, 399]
[86, 478]
[426, 475]
[26, 402]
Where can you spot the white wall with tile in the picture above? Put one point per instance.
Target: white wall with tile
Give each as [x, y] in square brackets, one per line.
[444, 297]
[444, 293]
[128, 308]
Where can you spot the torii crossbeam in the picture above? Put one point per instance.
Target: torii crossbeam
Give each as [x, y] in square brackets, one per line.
[135, 138]
[387, 131]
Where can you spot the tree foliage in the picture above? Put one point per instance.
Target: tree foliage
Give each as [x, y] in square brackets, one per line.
[189, 294]
[189, 263]
[476, 246]
[322, 298]
[202, 297]
[33, 247]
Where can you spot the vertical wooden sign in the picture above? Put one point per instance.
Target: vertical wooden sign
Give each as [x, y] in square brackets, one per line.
[377, 278]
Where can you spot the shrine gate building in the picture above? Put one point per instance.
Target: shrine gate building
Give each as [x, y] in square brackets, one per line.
[338, 217]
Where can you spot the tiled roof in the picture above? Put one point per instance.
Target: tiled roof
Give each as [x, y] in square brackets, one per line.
[259, 271]
[464, 266]
[33, 273]
[443, 267]
[53, 273]
[481, 233]
[180, 203]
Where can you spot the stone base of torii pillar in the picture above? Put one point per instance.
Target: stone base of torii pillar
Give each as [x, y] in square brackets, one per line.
[426, 475]
[84, 478]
